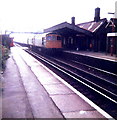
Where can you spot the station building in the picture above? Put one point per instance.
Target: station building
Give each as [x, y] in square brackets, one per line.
[90, 36]
[97, 27]
[111, 43]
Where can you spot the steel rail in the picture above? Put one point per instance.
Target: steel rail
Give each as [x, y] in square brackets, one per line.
[85, 71]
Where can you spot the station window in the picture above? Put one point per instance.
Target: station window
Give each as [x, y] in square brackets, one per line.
[70, 40]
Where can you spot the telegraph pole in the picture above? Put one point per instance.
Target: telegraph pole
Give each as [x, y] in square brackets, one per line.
[0, 50]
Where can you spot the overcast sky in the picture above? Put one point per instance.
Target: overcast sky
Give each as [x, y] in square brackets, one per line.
[35, 15]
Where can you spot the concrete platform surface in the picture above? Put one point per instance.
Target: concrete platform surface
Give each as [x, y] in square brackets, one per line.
[100, 55]
[23, 95]
[31, 90]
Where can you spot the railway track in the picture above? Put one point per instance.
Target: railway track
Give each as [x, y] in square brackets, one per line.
[107, 84]
[98, 85]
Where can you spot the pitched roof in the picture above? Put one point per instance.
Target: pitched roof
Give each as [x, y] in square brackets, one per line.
[67, 27]
[112, 22]
[92, 26]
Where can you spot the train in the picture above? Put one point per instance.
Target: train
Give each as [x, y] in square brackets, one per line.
[49, 43]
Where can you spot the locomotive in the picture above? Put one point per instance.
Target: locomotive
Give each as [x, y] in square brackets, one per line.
[49, 43]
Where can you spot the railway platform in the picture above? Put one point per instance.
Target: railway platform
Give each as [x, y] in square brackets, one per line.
[98, 55]
[31, 90]
[101, 61]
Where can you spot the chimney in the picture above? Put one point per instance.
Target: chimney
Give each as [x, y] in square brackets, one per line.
[97, 14]
[73, 20]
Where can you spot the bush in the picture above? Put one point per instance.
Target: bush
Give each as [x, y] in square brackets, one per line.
[4, 55]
